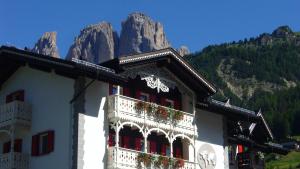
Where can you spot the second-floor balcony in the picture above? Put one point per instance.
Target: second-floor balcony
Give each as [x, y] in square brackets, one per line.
[15, 113]
[150, 114]
[14, 160]
[131, 159]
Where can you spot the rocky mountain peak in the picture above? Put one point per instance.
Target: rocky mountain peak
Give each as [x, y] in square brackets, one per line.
[183, 50]
[46, 45]
[141, 34]
[96, 43]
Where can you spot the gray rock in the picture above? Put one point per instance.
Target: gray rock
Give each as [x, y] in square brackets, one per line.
[183, 50]
[46, 45]
[96, 43]
[141, 34]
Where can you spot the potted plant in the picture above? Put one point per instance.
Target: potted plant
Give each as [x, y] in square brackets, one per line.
[165, 162]
[139, 106]
[151, 108]
[179, 163]
[145, 159]
[178, 115]
[162, 113]
[162, 161]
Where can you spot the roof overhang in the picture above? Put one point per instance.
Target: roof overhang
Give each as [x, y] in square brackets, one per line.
[266, 148]
[171, 60]
[233, 113]
[12, 58]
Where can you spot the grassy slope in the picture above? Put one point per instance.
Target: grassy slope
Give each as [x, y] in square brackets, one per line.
[289, 161]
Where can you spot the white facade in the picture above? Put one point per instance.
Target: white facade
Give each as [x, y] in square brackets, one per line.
[210, 131]
[95, 126]
[49, 95]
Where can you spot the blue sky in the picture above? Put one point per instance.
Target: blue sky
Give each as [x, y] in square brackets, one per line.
[194, 23]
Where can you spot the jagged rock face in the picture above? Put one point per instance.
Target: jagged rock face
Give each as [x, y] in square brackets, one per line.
[46, 45]
[183, 50]
[96, 43]
[141, 34]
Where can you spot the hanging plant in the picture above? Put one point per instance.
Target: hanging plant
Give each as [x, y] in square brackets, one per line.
[141, 106]
[179, 163]
[162, 113]
[145, 159]
[162, 161]
[151, 109]
[178, 115]
[165, 162]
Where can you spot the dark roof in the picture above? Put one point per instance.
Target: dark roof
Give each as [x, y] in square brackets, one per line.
[170, 59]
[12, 58]
[265, 147]
[230, 111]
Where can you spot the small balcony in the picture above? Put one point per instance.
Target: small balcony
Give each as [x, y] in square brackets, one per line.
[14, 161]
[153, 115]
[131, 159]
[16, 113]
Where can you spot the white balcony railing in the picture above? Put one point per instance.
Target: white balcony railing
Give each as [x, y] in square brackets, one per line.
[123, 107]
[127, 159]
[15, 112]
[20, 161]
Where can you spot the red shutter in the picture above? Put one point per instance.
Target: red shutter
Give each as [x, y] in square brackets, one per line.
[8, 98]
[178, 152]
[6, 147]
[163, 101]
[111, 139]
[240, 148]
[177, 105]
[35, 145]
[126, 91]
[20, 95]
[137, 145]
[152, 146]
[137, 94]
[163, 149]
[126, 141]
[50, 146]
[17, 95]
[18, 145]
[152, 98]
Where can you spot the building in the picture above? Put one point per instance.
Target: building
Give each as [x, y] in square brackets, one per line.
[147, 110]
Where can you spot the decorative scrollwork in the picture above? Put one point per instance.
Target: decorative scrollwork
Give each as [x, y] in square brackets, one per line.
[154, 82]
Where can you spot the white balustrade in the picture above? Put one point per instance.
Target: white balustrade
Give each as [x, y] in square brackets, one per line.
[20, 161]
[123, 108]
[15, 111]
[127, 159]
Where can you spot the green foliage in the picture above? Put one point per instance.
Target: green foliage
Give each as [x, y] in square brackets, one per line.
[292, 160]
[272, 62]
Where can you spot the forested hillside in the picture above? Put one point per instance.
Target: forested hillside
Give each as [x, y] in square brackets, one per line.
[261, 72]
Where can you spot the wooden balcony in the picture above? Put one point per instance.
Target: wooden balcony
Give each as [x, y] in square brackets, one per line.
[128, 159]
[14, 161]
[15, 113]
[125, 108]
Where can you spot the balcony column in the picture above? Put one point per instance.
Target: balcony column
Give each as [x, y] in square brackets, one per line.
[12, 142]
[117, 142]
[171, 148]
[118, 90]
[145, 143]
[117, 135]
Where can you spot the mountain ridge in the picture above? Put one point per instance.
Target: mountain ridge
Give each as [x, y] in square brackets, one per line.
[262, 67]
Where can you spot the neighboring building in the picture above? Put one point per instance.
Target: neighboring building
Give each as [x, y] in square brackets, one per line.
[151, 109]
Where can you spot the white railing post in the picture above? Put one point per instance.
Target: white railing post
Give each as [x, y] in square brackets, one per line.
[12, 142]
[118, 90]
